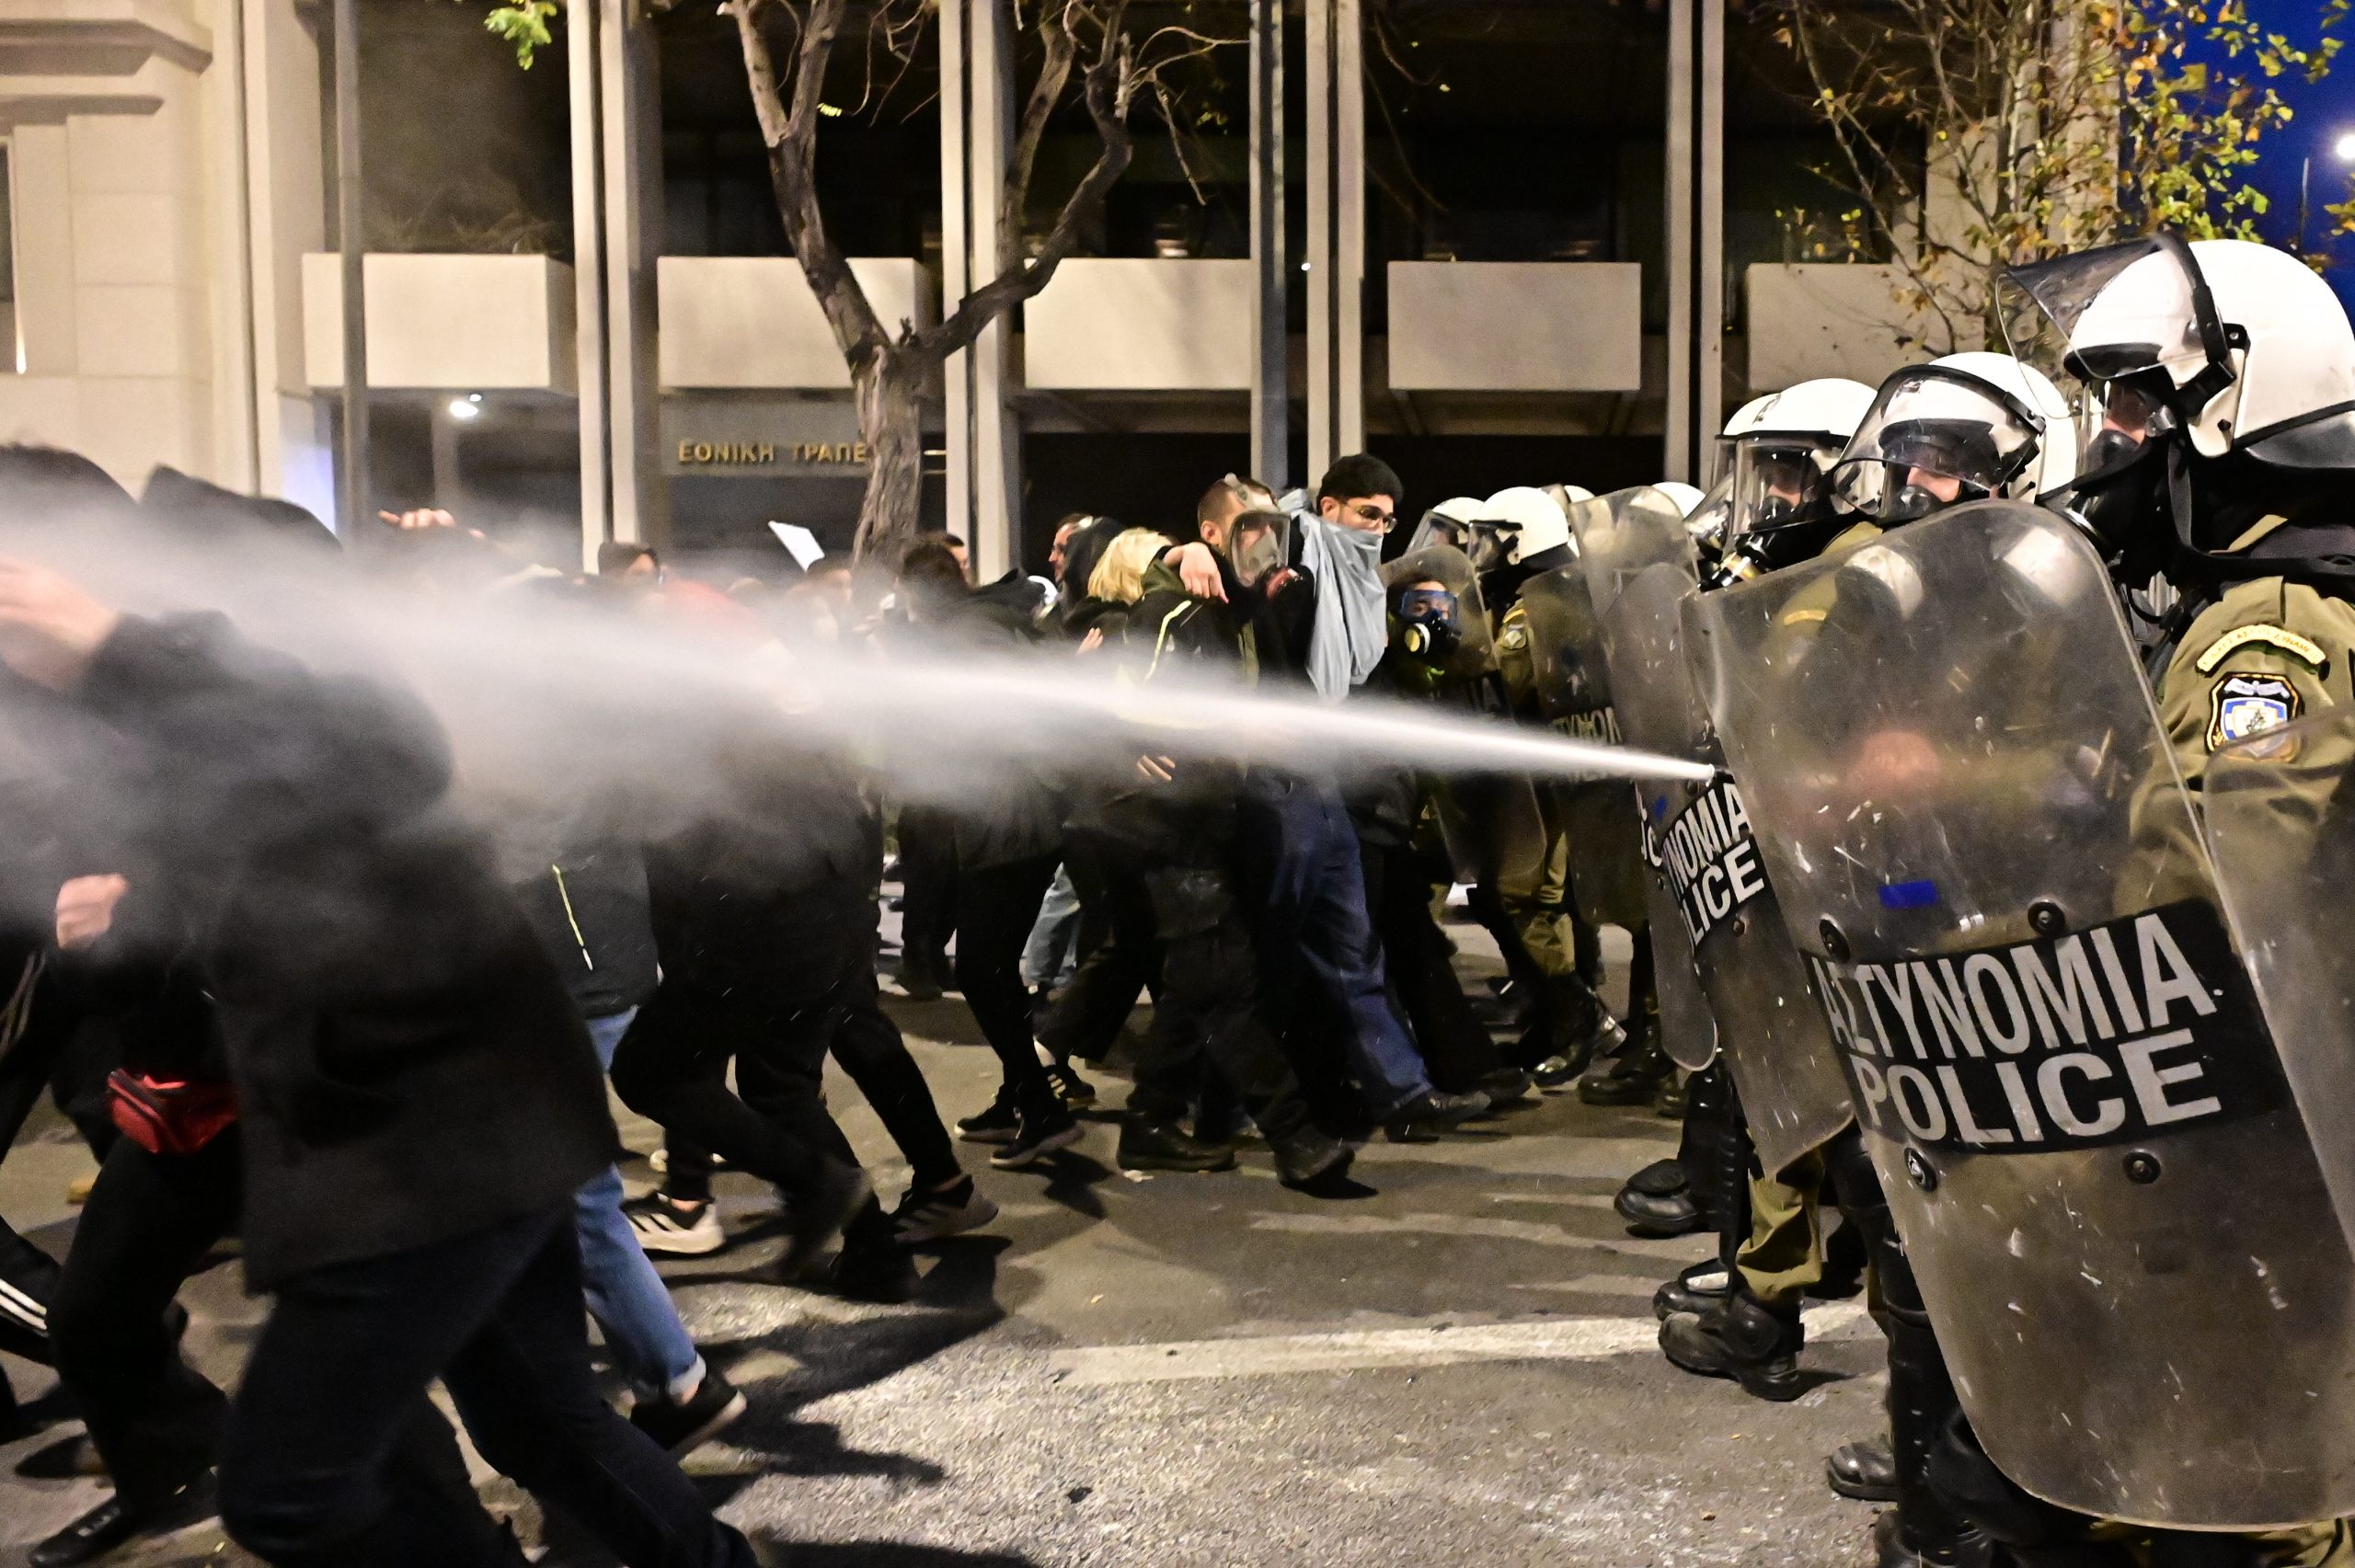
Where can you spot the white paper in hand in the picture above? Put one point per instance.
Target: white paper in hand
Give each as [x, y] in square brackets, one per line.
[801, 541]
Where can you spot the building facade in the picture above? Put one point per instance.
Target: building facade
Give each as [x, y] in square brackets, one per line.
[1520, 241]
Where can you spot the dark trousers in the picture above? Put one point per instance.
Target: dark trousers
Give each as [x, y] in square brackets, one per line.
[872, 1053]
[672, 1066]
[149, 1221]
[315, 1467]
[1086, 1014]
[928, 877]
[1454, 1043]
[1208, 1016]
[996, 907]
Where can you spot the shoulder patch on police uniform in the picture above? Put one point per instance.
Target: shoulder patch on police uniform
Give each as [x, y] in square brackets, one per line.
[2243, 704]
[2281, 637]
[1516, 636]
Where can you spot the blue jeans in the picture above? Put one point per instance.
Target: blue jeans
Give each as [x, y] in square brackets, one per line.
[1306, 848]
[1052, 956]
[625, 1296]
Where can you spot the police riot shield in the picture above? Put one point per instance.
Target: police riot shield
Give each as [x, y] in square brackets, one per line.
[1971, 816]
[1597, 821]
[1617, 535]
[2280, 818]
[1709, 885]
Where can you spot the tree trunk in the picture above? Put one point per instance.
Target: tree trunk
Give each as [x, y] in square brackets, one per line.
[890, 394]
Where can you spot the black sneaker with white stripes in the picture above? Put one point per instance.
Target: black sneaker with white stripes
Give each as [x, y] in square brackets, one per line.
[994, 1123]
[931, 1214]
[1037, 1137]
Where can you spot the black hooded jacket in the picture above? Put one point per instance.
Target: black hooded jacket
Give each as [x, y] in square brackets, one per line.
[408, 1065]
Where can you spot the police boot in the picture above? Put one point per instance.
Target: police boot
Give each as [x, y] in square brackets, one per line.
[1863, 1472]
[1929, 1525]
[1891, 1548]
[1572, 1027]
[1697, 1288]
[1634, 1076]
[1659, 1201]
[1744, 1339]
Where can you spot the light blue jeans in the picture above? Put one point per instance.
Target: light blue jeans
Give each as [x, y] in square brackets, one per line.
[1052, 956]
[625, 1296]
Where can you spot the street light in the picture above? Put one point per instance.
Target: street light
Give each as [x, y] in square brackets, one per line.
[2342, 147]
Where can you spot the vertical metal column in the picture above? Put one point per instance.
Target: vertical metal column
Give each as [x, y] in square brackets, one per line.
[956, 249]
[1348, 227]
[1709, 195]
[1271, 268]
[995, 521]
[587, 273]
[1336, 232]
[1695, 235]
[352, 508]
[630, 105]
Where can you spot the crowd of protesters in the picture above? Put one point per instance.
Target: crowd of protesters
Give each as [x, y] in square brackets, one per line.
[397, 1096]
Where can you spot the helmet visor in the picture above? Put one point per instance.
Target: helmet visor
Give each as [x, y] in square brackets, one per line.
[1708, 522]
[1779, 480]
[2107, 314]
[1932, 438]
[1438, 531]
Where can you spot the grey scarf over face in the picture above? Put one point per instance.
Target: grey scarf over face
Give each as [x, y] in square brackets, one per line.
[1352, 628]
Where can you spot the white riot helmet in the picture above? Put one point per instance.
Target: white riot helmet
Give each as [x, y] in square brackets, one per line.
[1687, 498]
[1448, 524]
[1529, 521]
[1782, 463]
[1709, 520]
[2239, 345]
[1961, 428]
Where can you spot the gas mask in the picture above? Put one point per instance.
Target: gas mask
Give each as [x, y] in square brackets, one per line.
[1259, 557]
[2123, 498]
[1429, 626]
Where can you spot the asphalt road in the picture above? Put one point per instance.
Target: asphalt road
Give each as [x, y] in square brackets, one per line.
[1204, 1370]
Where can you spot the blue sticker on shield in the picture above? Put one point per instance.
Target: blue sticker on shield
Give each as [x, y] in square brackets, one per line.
[1908, 895]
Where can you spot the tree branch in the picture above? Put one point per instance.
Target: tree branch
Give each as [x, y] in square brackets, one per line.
[790, 134]
[1105, 87]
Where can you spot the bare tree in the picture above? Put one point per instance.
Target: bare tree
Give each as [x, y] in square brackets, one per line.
[1091, 52]
[1976, 134]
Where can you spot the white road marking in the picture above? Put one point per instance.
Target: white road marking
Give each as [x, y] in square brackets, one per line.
[1553, 1339]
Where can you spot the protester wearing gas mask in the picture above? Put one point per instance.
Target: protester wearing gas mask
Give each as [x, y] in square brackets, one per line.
[1439, 650]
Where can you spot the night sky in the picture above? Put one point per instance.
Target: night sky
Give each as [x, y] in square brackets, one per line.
[2325, 111]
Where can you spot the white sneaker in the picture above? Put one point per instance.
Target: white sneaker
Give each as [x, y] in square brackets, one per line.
[661, 1226]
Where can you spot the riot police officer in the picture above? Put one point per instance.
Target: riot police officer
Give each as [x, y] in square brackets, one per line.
[1966, 428]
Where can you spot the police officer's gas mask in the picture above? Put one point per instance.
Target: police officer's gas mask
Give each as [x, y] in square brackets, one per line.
[1782, 508]
[2123, 495]
[1937, 436]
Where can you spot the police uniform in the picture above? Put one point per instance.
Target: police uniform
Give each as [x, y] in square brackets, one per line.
[1588, 871]
[2265, 653]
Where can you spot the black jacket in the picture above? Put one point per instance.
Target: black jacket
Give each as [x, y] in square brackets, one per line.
[588, 904]
[408, 1065]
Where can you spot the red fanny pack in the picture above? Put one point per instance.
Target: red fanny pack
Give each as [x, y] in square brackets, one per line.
[168, 1118]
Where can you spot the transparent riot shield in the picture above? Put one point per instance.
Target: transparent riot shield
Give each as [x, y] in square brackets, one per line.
[1598, 821]
[1709, 885]
[1617, 534]
[1975, 829]
[2280, 818]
